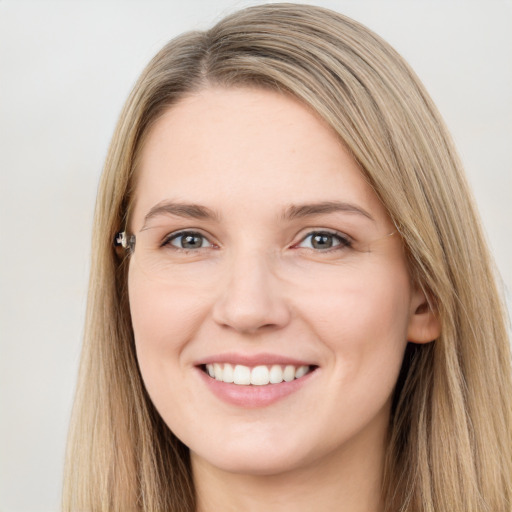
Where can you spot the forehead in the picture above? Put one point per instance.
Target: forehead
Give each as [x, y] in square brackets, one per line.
[244, 148]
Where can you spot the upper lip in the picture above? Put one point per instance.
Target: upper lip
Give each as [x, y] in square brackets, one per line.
[252, 359]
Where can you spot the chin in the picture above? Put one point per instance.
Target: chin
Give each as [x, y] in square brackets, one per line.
[255, 464]
[258, 457]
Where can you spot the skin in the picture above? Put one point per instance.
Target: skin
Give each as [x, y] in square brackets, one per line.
[259, 286]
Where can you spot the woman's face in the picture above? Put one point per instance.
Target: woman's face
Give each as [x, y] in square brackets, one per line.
[262, 255]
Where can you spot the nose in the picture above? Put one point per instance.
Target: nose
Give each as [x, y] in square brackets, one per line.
[251, 298]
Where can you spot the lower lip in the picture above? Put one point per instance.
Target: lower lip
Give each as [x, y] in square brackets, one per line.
[254, 396]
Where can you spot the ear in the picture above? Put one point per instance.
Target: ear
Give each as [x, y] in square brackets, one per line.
[424, 324]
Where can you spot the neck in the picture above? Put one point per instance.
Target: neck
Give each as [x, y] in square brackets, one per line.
[347, 480]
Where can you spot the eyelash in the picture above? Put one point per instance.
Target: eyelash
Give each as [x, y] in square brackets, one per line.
[167, 241]
[344, 241]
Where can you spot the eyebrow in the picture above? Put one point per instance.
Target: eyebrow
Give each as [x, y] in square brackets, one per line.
[196, 211]
[185, 210]
[311, 209]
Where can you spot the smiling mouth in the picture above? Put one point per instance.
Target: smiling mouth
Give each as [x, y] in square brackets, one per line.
[262, 375]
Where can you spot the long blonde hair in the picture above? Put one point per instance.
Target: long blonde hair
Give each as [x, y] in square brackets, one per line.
[450, 434]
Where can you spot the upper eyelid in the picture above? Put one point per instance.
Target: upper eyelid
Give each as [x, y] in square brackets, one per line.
[343, 242]
[303, 234]
[195, 231]
[181, 232]
[299, 237]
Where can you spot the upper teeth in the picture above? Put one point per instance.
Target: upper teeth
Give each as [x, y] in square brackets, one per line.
[258, 375]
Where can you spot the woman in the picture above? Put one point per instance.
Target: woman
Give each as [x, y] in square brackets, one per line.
[298, 309]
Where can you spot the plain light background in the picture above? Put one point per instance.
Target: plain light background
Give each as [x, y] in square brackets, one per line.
[65, 70]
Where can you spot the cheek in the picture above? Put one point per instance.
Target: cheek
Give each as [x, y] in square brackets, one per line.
[363, 322]
[164, 316]
[164, 319]
[365, 330]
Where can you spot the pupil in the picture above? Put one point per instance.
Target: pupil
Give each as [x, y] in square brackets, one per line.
[322, 241]
[191, 242]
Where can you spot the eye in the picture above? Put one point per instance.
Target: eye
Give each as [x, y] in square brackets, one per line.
[324, 240]
[188, 240]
